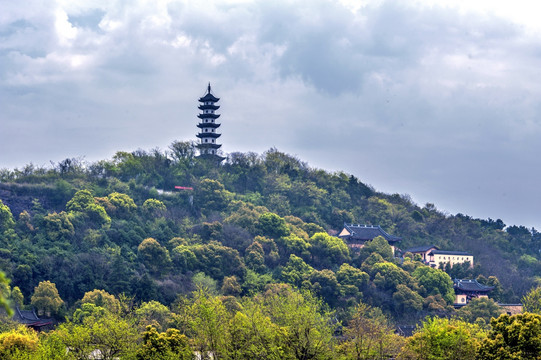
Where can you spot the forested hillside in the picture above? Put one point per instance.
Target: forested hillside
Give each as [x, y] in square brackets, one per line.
[120, 225]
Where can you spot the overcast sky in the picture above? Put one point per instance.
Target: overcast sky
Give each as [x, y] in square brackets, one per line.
[440, 100]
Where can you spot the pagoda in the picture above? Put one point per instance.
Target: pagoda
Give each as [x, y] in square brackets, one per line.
[208, 135]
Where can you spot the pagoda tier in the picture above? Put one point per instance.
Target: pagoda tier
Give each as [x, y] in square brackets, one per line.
[209, 97]
[208, 107]
[208, 116]
[208, 135]
[208, 125]
[209, 146]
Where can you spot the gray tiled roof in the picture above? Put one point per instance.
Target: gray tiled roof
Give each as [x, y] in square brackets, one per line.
[368, 232]
[471, 285]
[419, 249]
[446, 252]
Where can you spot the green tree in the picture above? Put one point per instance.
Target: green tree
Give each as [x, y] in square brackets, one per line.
[405, 299]
[19, 343]
[369, 335]
[325, 285]
[388, 276]
[293, 244]
[480, 310]
[254, 257]
[113, 336]
[351, 279]
[205, 283]
[513, 337]
[271, 225]
[17, 296]
[58, 226]
[154, 207]
[153, 313]
[379, 246]
[252, 335]
[169, 345]
[532, 301]
[102, 298]
[230, 286]
[84, 208]
[155, 257]
[218, 261]
[328, 250]
[123, 204]
[208, 318]
[46, 298]
[441, 338]
[210, 195]
[435, 282]
[307, 323]
[296, 271]
[6, 218]
[4, 283]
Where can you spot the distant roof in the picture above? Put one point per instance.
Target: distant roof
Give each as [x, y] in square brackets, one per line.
[419, 249]
[209, 96]
[29, 318]
[471, 285]
[367, 233]
[445, 252]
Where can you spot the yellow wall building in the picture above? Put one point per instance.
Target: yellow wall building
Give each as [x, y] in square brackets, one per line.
[437, 258]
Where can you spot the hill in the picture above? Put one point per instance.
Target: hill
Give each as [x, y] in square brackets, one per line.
[119, 225]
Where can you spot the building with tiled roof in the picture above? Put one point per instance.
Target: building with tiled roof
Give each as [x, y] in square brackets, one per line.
[439, 258]
[31, 319]
[356, 236]
[465, 290]
[423, 251]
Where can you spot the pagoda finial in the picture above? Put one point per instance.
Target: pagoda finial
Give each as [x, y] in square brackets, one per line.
[208, 88]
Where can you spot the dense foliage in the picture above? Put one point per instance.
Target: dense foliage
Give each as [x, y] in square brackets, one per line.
[75, 234]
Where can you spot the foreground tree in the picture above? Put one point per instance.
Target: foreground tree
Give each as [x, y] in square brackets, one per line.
[207, 322]
[532, 301]
[441, 338]
[307, 324]
[19, 343]
[513, 337]
[369, 335]
[112, 335]
[169, 345]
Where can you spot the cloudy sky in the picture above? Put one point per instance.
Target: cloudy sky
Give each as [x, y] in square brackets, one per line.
[440, 100]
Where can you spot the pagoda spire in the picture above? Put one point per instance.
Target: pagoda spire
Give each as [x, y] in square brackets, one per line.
[208, 127]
